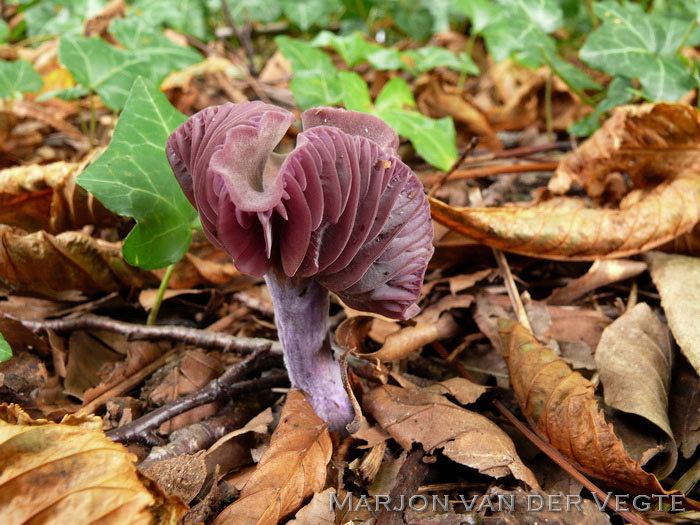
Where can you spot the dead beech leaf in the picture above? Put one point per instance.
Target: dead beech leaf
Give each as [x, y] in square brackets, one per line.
[318, 511]
[677, 277]
[644, 220]
[650, 142]
[634, 359]
[601, 273]
[560, 404]
[54, 265]
[291, 469]
[57, 473]
[425, 416]
[685, 409]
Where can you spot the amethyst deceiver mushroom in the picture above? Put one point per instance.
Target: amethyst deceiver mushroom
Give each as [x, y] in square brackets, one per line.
[341, 212]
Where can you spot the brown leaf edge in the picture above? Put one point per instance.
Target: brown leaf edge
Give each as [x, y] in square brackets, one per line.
[560, 405]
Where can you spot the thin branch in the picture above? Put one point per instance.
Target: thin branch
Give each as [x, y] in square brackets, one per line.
[443, 178]
[225, 386]
[487, 171]
[408, 479]
[175, 334]
[242, 35]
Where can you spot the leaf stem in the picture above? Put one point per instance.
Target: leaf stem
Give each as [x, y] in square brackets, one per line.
[159, 297]
[93, 120]
[548, 107]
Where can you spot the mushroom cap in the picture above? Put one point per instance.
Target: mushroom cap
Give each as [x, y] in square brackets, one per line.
[341, 207]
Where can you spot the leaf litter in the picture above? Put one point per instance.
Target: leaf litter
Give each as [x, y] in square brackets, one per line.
[612, 329]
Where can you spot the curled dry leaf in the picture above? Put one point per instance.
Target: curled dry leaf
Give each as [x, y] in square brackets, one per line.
[52, 265]
[685, 409]
[318, 511]
[644, 220]
[291, 469]
[601, 273]
[650, 142]
[634, 359]
[677, 277]
[427, 417]
[560, 404]
[55, 473]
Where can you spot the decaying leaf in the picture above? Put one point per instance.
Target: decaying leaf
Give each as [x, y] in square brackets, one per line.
[601, 273]
[650, 142]
[560, 404]
[52, 265]
[685, 409]
[57, 473]
[644, 220]
[291, 469]
[427, 417]
[634, 360]
[317, 512]
[677, 277]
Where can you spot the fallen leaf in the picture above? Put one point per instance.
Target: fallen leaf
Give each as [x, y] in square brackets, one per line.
[55, 265]
[686, 244]
[182, 475]
[425, 416]
[87, 357]
[291, 469]
[685, 409]
[53, 473]
[317, 512]
[634, 360]
[677, 277]
[601, 273]
[644, 220]
[649, 142]
[560, 404]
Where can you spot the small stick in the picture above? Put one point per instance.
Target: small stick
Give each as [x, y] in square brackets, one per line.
[224, 386]
[522, 151]
[443, 178]
[545, 447]
[242, 35]
[512, 289]
[175, 334]
[487, 171]
[408, 480]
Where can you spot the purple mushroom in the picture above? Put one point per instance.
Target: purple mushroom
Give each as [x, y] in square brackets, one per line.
[340, 213]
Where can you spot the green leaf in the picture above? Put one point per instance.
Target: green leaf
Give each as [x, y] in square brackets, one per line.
[305, 13]
[185, 16]
[355, 92]
[619, 92]
[71, 93]
[429, 57]
[386, 59]
[18, 77]
[570, 74]
[133, 178]
[396, 94]
[104, 69]
[60, 17]
[433, 139]
[4, 31]
[163, 55]
[316, 81]
[634, 44]
[244, 11]
[481, 13]
[5, 350]
[353, 48]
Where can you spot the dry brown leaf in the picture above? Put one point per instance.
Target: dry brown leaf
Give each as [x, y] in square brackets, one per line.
[196, 369]
[291, 469]
[644, 220]
[182, 475]
[317, 512]
[686, 244]
[685, 409]
[650, 142]
[560, 404]
[56, 265]
[677, 277]
[601, 273]
[429, 418]
[57, 473]
[634, 360]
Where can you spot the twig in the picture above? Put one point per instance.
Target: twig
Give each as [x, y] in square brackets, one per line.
[126, 385]
[175, 334]
[524, 151]
[512, 289]
[242, 35]
[408, 480]
[165, 281]
[548, 449]
[226, 385]
[443, 178]
[487, 171]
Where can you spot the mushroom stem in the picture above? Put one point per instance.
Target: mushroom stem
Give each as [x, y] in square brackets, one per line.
[301, 315]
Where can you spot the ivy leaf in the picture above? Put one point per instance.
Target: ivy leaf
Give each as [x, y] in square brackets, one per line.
[5, 349]
[430, 57]
[244, 11]
[163, 55]
[185, 16]
[316, 81]
[386, 59]
[104, 69]
[18, 77]
[355, 92]
[396, 94]
[619, 92]
[133, 178]
[353, 48]
[60, 17]
[634, 44]
[306, 13]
